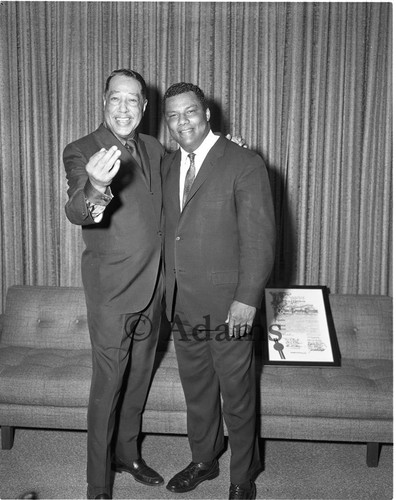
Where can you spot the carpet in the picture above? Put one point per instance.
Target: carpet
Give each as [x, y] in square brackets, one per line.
[52, 464]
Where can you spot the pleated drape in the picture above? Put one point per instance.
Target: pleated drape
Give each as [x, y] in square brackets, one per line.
[308, 85]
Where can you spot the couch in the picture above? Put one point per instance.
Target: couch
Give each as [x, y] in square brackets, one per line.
[45, 370]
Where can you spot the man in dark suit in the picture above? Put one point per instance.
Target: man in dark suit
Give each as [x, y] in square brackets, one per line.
[115, 195]
[219, 251]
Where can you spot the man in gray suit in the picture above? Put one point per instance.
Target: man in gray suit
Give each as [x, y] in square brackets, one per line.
[219, 252]
[115, 195]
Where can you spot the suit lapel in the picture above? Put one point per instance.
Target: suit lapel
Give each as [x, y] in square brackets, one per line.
[172, 180]
[153, 174]
[207, 166]
[146, 162]
[108, 139]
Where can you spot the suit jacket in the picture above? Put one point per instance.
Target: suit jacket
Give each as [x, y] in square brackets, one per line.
[122, 256]
[221, 247]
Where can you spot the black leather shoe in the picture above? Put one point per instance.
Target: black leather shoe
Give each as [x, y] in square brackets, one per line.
[194, 474]
[140, 471]
[245, 491]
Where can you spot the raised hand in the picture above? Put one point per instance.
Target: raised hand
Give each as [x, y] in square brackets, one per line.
[102, 167]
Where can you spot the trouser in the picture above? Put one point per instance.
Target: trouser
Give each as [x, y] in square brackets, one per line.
[123, 353]
[209, 364]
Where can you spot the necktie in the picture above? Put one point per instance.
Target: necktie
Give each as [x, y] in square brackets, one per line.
[190, 176]
[130, 145]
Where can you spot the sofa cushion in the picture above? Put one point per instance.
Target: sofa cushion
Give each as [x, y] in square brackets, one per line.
[360, 389]
[61, 377]
[48, 377]
[363, 324]
[46, 317]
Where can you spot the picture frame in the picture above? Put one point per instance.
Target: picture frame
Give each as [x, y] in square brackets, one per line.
[299, 327]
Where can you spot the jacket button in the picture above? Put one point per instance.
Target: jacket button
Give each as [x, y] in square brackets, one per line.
[177, 238]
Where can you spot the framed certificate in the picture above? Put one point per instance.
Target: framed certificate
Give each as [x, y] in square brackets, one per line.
[299, 327]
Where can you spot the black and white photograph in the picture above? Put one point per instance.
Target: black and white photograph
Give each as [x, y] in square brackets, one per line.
[196, 250]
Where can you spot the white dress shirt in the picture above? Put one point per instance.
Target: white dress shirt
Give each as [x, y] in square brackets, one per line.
[200, 155]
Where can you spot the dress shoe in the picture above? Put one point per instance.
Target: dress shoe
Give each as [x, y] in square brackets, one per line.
[140, 471]
[194, 474]
[245, 491]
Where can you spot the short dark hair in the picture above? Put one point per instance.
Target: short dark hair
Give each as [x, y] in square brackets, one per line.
[130, 73]
[181, 88]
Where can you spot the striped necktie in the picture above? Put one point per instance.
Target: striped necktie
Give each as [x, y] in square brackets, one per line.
[190, 176]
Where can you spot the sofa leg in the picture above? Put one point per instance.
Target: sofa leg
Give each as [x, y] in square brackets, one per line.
[7, 437]
[373, 451]
[261, 445]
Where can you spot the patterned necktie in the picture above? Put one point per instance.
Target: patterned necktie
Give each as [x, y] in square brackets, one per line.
[130, 145]
[190, 176]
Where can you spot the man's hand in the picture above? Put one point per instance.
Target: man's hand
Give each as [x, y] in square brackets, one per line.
[102, 167]
[237, 139]
[240, 319]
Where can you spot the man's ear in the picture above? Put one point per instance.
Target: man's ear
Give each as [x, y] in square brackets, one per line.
[145, 105]
[207, 114]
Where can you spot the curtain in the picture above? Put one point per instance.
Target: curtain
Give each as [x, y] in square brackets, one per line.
[308, 86]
